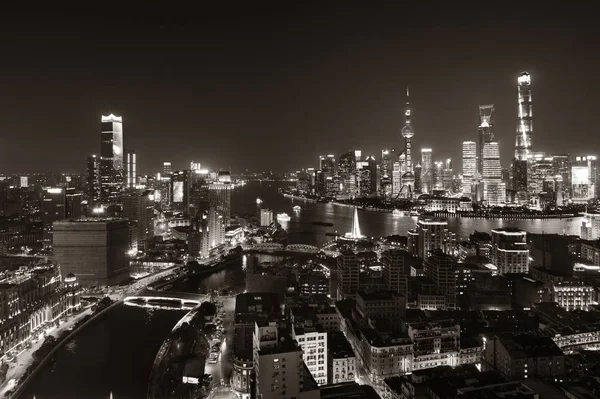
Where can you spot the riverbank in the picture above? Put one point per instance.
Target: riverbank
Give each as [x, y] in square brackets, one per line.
[506, 216]
[72, 323]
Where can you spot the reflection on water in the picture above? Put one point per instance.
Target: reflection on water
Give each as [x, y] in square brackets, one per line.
[115, 353]
[71, 346]
[302, 230]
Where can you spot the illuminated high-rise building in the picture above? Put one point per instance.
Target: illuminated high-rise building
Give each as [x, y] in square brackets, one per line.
[324, 177]
[195, 166]
[494, 190]
[524, 142]
[417, 172]
[167, 170]
[485, 130]
[386, 165]
[111, 159]
[347, 173]
[427, 170]
[93, 181]
[219, 196]
[469, 165]
[180, 190]
[130, 169]
[408, 178]
[583, 179]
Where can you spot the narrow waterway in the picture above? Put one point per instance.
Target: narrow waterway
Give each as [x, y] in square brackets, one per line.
[114, 354]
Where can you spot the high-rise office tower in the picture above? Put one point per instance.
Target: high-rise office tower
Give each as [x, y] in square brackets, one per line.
[408, 178]
[583, 178]
[138, 208]
[524, 142]
[325, 178]
[418, 183]
[219, 195]
[386, 165]
[485, 131]
[347, 174]
[433, 234]
[167, 170]
[195, 166]
[439, 268]
[494, 190]
[130, 169]
[438, 170]
[562, 168]
[53, 209]
[348, 271]
[93, 181]
[180, 186]
[426, 171]
[111, 159]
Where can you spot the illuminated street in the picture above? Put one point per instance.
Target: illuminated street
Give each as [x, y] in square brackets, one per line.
[221, 371]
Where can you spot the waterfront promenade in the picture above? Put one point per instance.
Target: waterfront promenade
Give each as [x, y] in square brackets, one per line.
[27, 360]
[23, 360]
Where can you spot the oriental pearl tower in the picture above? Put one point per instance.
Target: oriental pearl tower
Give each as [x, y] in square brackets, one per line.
[408, 178]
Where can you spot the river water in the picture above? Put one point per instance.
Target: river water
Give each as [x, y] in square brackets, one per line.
[115, 354]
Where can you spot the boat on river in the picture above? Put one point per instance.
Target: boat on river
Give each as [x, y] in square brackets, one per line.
[283, 217]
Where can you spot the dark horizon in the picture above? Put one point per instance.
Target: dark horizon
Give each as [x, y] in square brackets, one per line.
[272, 89]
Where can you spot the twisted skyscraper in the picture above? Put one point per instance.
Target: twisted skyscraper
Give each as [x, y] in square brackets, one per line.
[524, 140]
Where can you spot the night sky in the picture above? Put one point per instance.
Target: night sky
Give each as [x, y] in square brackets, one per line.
[269, 88]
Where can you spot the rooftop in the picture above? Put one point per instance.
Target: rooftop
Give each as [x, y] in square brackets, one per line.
[338, 346]
[528, 346]
[379, 296]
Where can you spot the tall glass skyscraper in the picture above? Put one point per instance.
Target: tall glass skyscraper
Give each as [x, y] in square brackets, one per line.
[426, 171]
[485, 131]
[111, 159]
[524, 142]
[469, 165]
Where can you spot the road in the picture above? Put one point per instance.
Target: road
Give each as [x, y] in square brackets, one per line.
[25, 358]
[221, 371]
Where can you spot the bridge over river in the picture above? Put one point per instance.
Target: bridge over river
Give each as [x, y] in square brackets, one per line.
[166, 300]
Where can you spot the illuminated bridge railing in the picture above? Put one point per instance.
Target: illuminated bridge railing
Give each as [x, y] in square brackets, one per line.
[163, 302]
[302, 248]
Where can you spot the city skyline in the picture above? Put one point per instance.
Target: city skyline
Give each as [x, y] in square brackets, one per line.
[339, 86]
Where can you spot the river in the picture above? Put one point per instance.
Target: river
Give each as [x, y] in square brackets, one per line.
[115, 354]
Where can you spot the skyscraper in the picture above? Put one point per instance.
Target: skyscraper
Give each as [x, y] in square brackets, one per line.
[111, 159]
[167, 170]
[485, 130]
[524, 142]
[130, 169]
[347, 173]
[219, 196]
[408, 178]
[386, 165]
[426, 171]
[93, 181]
[494, 190]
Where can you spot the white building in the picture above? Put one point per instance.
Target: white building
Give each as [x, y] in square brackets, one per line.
[266, 217]
[312, 339]
[590, 227]
[469, 166]
[574, 295]
[510, 253]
